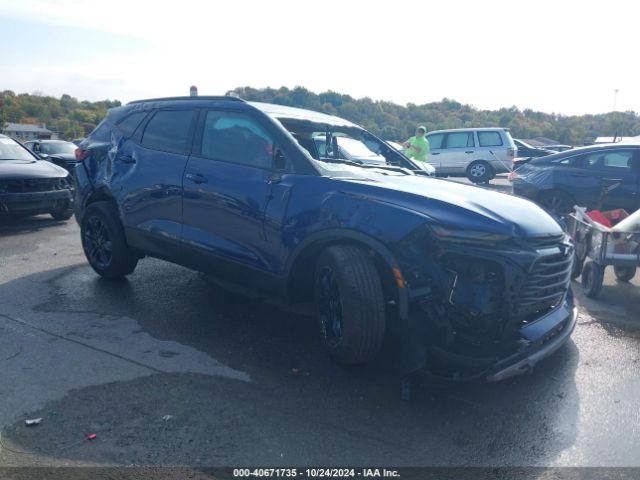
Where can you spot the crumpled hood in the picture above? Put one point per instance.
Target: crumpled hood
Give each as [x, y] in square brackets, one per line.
[30, 169]
[462, 206]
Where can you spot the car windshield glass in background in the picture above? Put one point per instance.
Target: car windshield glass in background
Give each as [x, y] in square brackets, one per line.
[11, 150]
[167, 130]
[460, 140]
[53, 148]
[236, 138]
[489, 139]
[357, 148]
[435, 140]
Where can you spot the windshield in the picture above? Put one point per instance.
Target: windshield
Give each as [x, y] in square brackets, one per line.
[334, 147]
[12, 150]
[53, 148]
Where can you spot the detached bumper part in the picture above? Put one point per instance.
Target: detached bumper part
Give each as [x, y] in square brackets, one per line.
[524, 362]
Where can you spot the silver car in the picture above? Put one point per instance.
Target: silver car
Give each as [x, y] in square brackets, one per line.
[477, 153]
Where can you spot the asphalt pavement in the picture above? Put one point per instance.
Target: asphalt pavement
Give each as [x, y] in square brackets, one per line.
[170, 368]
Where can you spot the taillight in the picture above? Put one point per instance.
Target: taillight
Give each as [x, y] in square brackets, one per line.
[512, 175]
[511, 152]
[81, 154]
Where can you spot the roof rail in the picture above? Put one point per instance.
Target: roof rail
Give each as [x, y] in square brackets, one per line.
[203, 97]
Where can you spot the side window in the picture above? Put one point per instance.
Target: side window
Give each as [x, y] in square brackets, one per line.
[129, 124]
[236, 138]
[616, 160]
[435, 140]
[489, 139]
[460, 140]
[168, 130]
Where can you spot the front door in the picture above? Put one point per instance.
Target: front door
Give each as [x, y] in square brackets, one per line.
[612, 180]
[227, 187]
[436, 142]
[458, 152]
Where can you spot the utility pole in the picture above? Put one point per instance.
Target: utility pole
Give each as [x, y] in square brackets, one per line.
[615, 98]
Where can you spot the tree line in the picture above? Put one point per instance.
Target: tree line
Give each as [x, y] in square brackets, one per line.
[73, 118]
[68, 116]
[397, 122]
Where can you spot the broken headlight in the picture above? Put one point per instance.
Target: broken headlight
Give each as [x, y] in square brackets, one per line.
[467, 236]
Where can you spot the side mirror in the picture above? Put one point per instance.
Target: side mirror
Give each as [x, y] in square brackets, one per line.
[279, 160]
[43, 156]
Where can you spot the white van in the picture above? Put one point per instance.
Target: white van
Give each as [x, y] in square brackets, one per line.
[477, 153]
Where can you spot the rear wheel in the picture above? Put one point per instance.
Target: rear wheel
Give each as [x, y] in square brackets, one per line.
[556, 201]
[350, 302]
[480, 172]
[592, 277]
[104, 242]
[624, 274]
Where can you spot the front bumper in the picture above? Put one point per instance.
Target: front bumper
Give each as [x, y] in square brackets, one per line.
[35, 202]
[546, 335]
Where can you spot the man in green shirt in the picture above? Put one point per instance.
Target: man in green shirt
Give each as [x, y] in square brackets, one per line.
[417, 147]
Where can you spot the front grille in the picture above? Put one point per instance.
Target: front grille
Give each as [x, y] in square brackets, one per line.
[32, 185]
[547, 283]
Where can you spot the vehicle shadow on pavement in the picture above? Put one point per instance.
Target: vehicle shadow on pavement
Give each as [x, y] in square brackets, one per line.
[18, 226]
[298, 409]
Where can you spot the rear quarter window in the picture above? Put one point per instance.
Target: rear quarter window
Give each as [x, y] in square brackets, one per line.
[490, 139]
[130, 123]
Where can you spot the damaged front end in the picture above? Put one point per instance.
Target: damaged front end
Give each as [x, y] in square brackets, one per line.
[484, 307]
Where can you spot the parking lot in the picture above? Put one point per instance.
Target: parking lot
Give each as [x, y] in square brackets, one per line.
[168, 367]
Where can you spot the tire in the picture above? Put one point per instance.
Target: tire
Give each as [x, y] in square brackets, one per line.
[624, 274]
[576, 268]
[104, 242]
[480, 171]
[592, 276]
[63, 213]
[350, 302]
[556, 201]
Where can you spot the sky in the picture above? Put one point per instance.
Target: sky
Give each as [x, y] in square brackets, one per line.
[561, 56]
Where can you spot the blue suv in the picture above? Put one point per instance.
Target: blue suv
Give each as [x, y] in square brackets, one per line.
[474, 283]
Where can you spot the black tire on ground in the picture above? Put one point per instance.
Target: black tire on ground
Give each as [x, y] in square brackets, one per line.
[480, 171]
[104, 242]
[624, 274]
[350, 302]
[578, 264]
[556, 201]
[592, 277]
[63, 213]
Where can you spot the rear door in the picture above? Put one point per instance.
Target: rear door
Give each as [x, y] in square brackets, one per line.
[228, 185]
[458, 152]
[436, 144]
[147, 178]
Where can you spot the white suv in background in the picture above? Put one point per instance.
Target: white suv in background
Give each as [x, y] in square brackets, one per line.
[477, 153]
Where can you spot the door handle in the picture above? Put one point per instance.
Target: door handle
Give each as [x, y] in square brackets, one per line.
[274, 178]
[435, 153]
[127, 159]
[196, 177]
[470, 151]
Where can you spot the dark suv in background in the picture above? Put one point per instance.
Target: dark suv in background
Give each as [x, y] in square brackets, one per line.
[602, 177]
[475, 283]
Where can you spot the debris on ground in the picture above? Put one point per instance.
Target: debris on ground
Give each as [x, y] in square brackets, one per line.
[92, 436]
[33, 422]
[166, 418]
